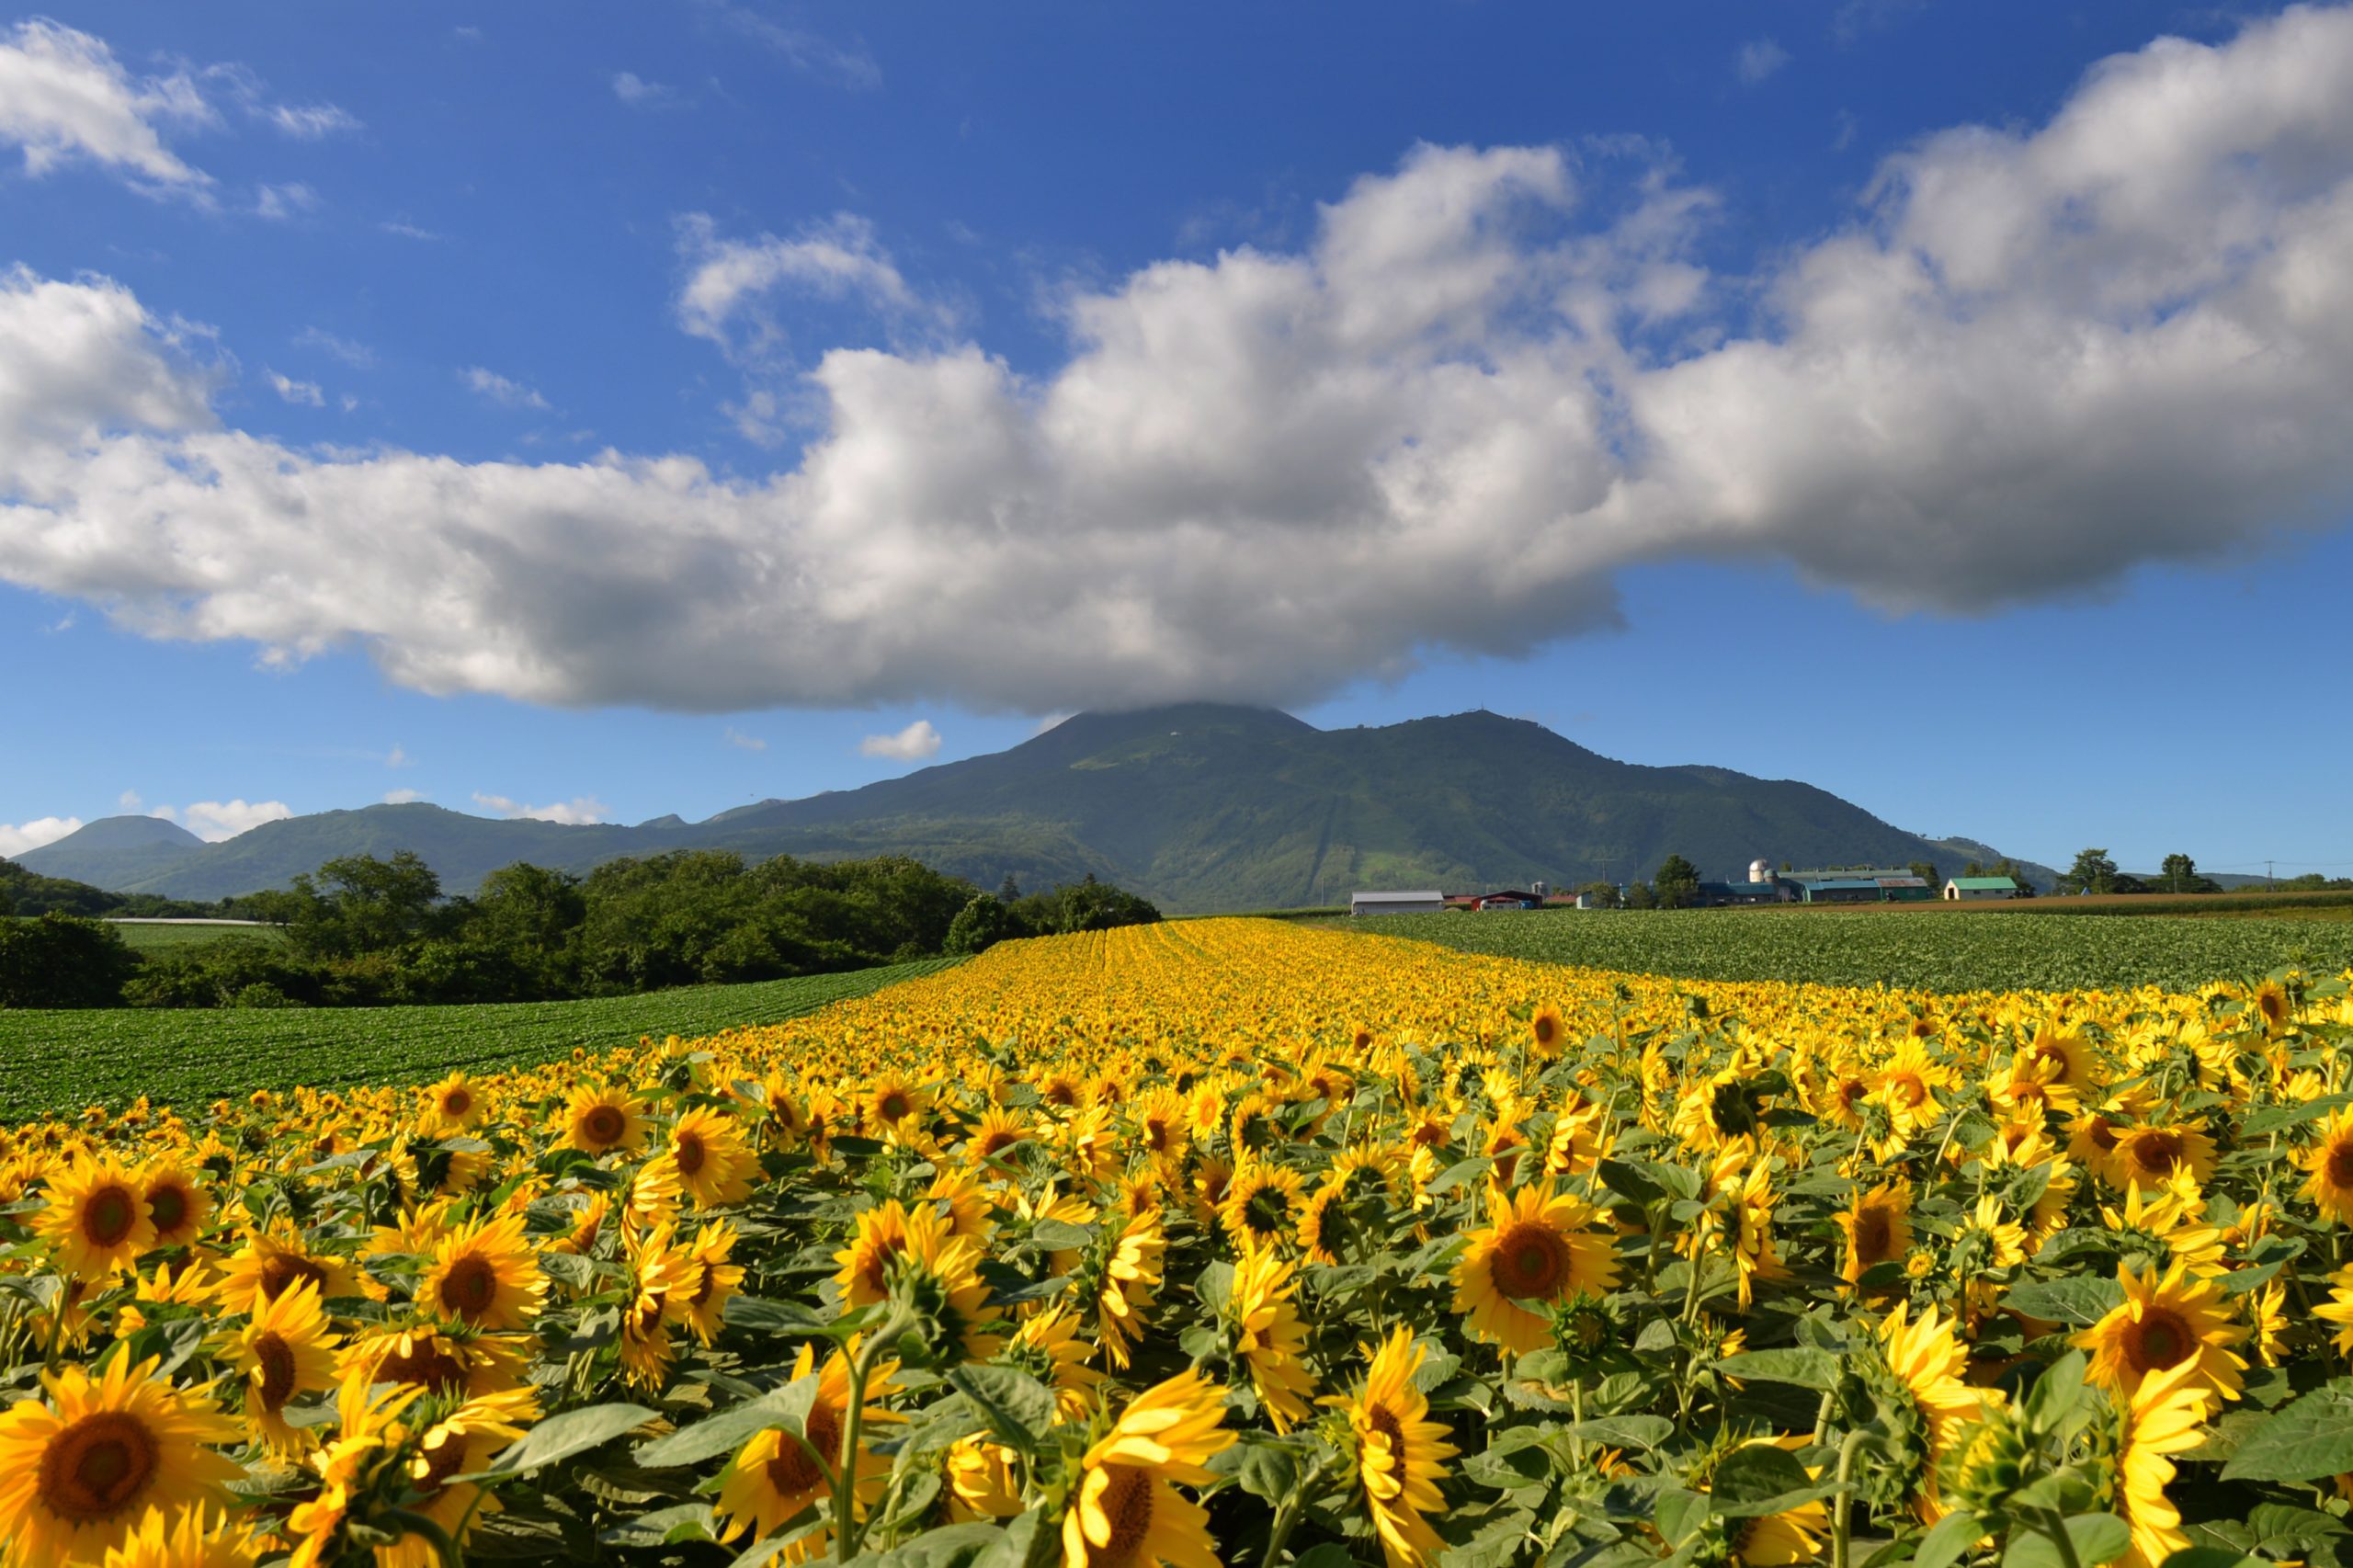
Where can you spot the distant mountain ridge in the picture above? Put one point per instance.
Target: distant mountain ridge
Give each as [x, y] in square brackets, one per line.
[1199, 806]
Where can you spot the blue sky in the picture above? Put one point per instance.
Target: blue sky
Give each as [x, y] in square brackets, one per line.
[615, 410]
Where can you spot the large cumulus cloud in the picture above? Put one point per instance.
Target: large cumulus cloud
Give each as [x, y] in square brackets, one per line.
[2031, 361]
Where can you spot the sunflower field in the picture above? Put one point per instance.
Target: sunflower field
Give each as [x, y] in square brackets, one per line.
[1225, 1242]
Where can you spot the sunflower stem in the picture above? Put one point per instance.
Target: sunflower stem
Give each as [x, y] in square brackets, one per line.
[846, 1530]
[2052, 1525]
[1286, 1515]
[1842, 1496]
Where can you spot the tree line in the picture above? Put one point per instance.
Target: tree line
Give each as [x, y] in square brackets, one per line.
[368, 931]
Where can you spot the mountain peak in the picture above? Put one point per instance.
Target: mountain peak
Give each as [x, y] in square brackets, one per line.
[127, 833]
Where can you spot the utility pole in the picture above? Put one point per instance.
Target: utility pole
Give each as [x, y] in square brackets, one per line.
[2266, 873]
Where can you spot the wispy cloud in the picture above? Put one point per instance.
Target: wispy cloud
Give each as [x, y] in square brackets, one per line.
[506, 393]
[283, 202]
[358, 355]
[742, 741]
[1757, 59]
[402, 797]
[305, 392]
[578, 812]
[638, 93]
[847, 63]
[310, 122]
[215, 820]
[64, 97]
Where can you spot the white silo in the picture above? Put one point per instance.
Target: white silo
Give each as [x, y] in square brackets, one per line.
[1759, 872]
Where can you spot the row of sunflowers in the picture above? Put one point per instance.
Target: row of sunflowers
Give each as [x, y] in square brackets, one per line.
[1224, 1241]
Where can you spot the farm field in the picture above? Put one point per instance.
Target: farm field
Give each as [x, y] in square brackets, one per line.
[173, 938]
[1944, 952]
[58, 1060]
[1227, 1242]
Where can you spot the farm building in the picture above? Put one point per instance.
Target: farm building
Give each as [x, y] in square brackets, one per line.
[1510, 898]
[1961, 890]
[1720, 895]
[1862, 885]
[1431, 903]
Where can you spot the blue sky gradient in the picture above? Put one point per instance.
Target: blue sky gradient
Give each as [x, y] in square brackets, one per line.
[485, 258]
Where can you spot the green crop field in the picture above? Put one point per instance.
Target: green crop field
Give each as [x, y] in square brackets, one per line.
[176, 938]
[53, 1061]
[2008, 951]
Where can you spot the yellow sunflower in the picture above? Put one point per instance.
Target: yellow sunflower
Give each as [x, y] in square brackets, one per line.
[1263, 1203]
[1878, 1226]
[889, 1101]
[599, 1120]
[1048, 1348]
[462, 1443]
[1538, 1245]
[97, 1220]
[195, 1537]
[2152, 1156]
[433, 1359]
[1268, 1334]
[1928, 1359]
[984, 1481]
[2330, 1161]
[879, 1236]
[1547, 1031]
[485, 1276]
[273, 1260]
[707, 1281]
[2164, 1417]
[772, 1477]
[177, 1204]
[1400, 1453]
[996, 1132]
[1130, 1276]
[2166, 1323]
[79, 1469]
[452, 1103]
[1324, 1228]
[713, 1164]
[1124, 1511]
[284, 1352]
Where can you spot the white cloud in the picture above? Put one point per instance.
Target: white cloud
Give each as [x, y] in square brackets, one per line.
[214, 821]
[358, 355]
[17, 837]
[2032, 359]
[840, 258]
[283, 202]
[293, 390]
[399, 757]
[1757, 59]
[499, 389]
[402, 797]
[406, 230]
[915, 742]
[742, 742]
[639, 93]
[579, 809]
[130, 801]
[64, 96]
[310, 122]
[849, 65]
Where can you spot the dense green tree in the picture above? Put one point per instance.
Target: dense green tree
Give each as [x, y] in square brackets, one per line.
[979, 925]
[2093, 872]
[360, 904]
[1602, 896]
[1926, 871]
[1676, 885]
[1641, 895]
[2180, 873]
[62, 960]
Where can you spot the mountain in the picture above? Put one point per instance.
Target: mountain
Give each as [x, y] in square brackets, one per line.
[114, 852]
[1199, 807]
